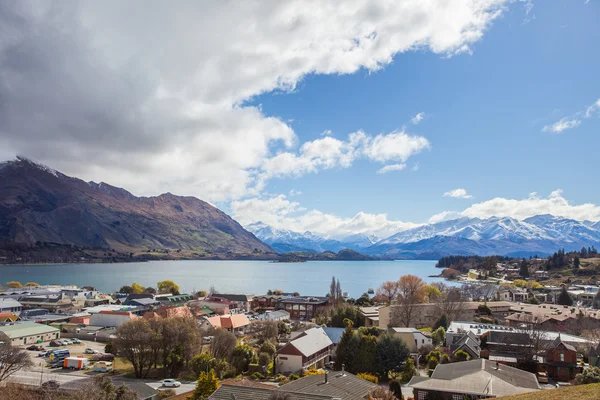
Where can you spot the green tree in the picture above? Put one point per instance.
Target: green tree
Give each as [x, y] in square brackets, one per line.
[126, 289]
[109, 348]
[564, 298]
[167, 286]
[137, 342]
[442, 321]
[347, 349]
[264, 359]
[137, 288]
[283, 329]
[596, 301]
[576, 262]
[201, 293]
[524, 270]
[32, 284]
[202, 363]
[206, 385]
[409, 370]
[390, 353]
[439, 336]
[366, 357]
[395, 387]
[242, 356]
[462, 355]
[268, 347]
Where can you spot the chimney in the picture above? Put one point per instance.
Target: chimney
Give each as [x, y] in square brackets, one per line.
[343, 369]
[326, 376]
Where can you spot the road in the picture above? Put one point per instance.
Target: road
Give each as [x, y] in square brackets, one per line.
[34, 378]
[185, 387]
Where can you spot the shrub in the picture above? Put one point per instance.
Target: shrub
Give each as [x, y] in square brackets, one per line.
[165, 394]
[395, 387]
[293, 377]
[312, 371]
[462, 355]
[407, 373]
[368, 377]
[252, 368]
[268, 347]
[257, 376]
[264, 359]
[589, 375]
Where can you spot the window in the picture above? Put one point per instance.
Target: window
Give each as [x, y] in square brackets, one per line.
[423, 395]
[562, 356]
[457, 397]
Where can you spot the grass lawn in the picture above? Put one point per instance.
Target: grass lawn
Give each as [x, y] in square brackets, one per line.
[580, 392]
[121, 365]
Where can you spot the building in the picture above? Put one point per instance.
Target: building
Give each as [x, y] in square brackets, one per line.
[279, 315]
[237, 302]
[111, 318]
[371, 315]
[268, 302]
[594, 356]
[414, 338]
[218, 305]
[553, 317]
[142, 303]
[468, 342]
[7, 318]
[304, 308]
[52, 302]
[424, 315]
[9, 305]
[480, 379]
[507, 347]
[560, 361]
[235, 323]
[23, 333]
[313, 349]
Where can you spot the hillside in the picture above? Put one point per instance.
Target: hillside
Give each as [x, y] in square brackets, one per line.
[38, 204]
[581, 392]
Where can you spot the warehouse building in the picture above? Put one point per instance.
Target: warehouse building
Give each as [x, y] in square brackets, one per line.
[28, 333]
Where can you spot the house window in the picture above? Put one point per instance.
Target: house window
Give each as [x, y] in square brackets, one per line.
[457, 397]
[562, 356]
[423, 395]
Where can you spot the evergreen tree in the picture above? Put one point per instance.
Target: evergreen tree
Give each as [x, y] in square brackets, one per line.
[365, 359]
[596, 301]
[524, 271]
[338, 291]
[390, 353]
[442, 321]
[207, 383]
[565, 299]
[576, 262]
[332, 287]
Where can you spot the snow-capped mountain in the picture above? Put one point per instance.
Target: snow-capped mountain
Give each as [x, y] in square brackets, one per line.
[541, 234]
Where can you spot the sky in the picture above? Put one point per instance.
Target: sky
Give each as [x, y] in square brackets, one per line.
[338, 118]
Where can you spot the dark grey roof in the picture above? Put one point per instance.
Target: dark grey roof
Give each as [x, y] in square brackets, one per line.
[306, 300]
[509, 338]
[233, 297]
[225, 392]
[558, 341]
[344, 386]
[335, 334]
[143, 301]
[144, 391]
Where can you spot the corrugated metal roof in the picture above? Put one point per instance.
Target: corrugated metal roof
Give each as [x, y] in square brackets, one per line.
[20, 330]
[341, 386]
[312, 341]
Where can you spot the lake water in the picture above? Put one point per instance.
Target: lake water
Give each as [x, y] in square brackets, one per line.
[250, 277]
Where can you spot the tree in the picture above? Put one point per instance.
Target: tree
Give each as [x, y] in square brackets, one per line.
[439, 336]
[382, 394]
[332, 289]
[596, 301]
[395, 387]
[222, 344]
[167, 286]
[461, 355]
[576, 262]
[387, 292]
[409, 370]
[137, 288]
[339, 296]
[564, 298]
[347, 349]
[366, 357]
[32, 284]
[201, 293]
[524, 269]
[109, 348]
[589, 375]
[202, 362]
[12, 359]
[206, 385]
[432, 293]
[283, 329]
[264, 330]
[137, 342]
[14, 285]
[178, 339]
[363, 301]
[442, 321]
[150, 290]
[268, 347]
[242, 356]
[342, 312]
[126, 289]
[390, 353]
[410, 293]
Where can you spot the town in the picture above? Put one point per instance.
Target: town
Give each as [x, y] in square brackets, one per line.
[404, 340]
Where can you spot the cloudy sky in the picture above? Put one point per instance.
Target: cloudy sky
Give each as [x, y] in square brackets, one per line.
[361, 116]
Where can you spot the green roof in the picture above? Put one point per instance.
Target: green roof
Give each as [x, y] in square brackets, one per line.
[27, 329]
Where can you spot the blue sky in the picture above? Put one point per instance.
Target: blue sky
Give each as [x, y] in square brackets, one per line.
[230, 104]
[484, 115]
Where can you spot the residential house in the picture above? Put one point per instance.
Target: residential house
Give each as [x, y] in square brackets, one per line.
[331, 386]
[507, 347]
[235, 323]
[111, 318]
[52, 302]
[468, 342]
[304, 308]
[145, 303]
[218, 305]
[313, 349]
[9, 305]
[561, 361]
[177, 300]
[267, 302]
[7, 318]
[238, 303]
[371, 315]
[80, 320]
[553, 317]
[414, 338]
[479, 379]
[23, 333]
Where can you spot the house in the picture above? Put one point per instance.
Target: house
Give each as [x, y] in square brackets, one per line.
[304, 308]
[267, 302]
[238, 302]
[507, 347]
[480, 379]
[469, 343]
[561, 361]
[371, 315]
[219, 306]
[312, 349]
[414, 338]
[594, 356]
[335, 335]
[10, 306]
[331, 386]
[7, 318]
[553, 317]
[235, 323]
[142, 302]
[23, 333]
[176, 300]
[80, 320]
[52, 302]
[111, 318]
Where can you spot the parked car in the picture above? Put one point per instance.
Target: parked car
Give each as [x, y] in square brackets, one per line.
[76, 341]
[103, 366]
[50, 385]
[171, 383]
[35, 348]
[55, 343]
[45, 353]
[103, 357]
[89, 350]
[66, 341]
[542, 377]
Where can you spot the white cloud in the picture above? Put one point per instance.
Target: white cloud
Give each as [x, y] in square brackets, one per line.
[562, 125]
[164, 109]
[418, 118]
[554, 204]
[391, 167]
[329, 152]
[444, 216]
[327, 132]
[458, 193]
[281, 213]
[294, 192]
[573, 121]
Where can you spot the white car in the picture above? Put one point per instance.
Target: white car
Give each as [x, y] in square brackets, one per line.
[171, 383]
[89, 350]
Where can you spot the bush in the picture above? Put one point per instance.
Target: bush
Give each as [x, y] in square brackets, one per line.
[293, 377]
[264, 359]
[257, 376]
[368, 377]
[589, 375]
[109, 348]
[461, 355]
[165, 394]
[252, 368]
[407, 373]
[312, 371]
[395, 387]
[268, 347]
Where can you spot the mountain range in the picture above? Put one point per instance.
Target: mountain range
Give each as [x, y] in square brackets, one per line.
[39, 204]
[540, 234]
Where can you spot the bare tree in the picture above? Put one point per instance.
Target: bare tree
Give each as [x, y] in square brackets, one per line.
[382, 394]
[264, 330]
[138, 343]
[222, 344]
[451, 304]
[411, 292]
[12, 359]
[387, 292]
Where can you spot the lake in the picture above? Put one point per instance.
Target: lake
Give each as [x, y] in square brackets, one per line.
[250, 277]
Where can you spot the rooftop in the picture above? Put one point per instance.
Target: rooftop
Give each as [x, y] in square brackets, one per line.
[23, 329]
[339, 385]
[306, 300]
[312, 341]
